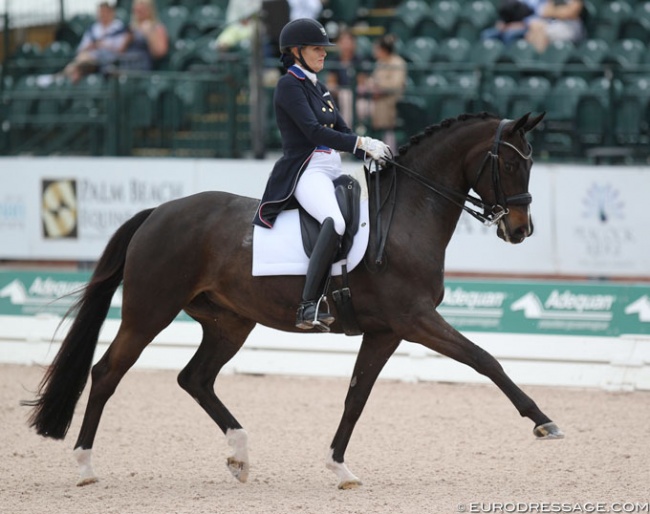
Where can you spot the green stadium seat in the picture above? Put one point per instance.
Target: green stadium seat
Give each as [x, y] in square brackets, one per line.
[609, 19]
[419, 52]
[26, 60]
[625, 54]
[453, 50]
[433, 89]
[440, 21]
[341, 11]
[556, 55]
[559, 135]
[72, 30]
[420, 49]
[21, 109]
[585, 60]
[593, 112]
[499, 91]
[407, 17]
[638, 25]
[474, 17]
[460, 96]
[207, 18]
[518, 59]
[530, 95]
[486, 52]
[176, 18]
[563, 97]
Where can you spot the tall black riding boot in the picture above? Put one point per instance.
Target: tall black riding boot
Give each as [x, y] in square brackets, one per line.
[318, 271]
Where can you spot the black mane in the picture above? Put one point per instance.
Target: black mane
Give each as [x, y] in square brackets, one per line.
[444, 124]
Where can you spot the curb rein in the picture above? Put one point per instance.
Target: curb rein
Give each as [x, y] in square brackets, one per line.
[491, 214]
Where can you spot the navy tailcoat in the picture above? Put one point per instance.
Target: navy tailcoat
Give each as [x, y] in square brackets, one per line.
[308, 121]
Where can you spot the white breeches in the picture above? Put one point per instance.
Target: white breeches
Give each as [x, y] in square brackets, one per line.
[315, 190]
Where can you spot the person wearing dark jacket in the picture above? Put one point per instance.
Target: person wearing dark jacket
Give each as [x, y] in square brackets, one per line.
[313, 133]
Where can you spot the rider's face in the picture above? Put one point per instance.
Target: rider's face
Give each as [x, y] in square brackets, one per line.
[314, 56]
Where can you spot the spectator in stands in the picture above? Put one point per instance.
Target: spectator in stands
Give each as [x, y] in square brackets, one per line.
[384, 88]
[148, 39]
[100, 45]
[240, 23]
[344, 73]
[514, 18]
[559, 20]
[305, 9]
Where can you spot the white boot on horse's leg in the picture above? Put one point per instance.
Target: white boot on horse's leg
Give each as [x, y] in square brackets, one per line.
[86, 473]
[347, 479]
[238, 464]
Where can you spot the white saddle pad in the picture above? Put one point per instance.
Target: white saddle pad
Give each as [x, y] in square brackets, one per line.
[279, 251]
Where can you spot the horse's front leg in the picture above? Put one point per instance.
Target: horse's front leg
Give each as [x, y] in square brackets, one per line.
[433, 332]
[374, 352]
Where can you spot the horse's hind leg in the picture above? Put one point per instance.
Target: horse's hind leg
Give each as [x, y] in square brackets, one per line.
[375, 351]
[106, 375]
[223, 336]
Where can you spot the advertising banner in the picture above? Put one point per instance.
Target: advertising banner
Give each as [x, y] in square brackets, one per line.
[603, 218]
[588, 220]
[566, 308]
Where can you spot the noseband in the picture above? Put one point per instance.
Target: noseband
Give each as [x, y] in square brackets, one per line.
[491, 213]
[500, 209]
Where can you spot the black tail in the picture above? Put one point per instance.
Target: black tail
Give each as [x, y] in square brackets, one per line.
[66, 377]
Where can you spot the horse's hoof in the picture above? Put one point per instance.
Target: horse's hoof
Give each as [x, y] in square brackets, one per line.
[87, 481]
[350, 484]
[238, 469]
[548, 431]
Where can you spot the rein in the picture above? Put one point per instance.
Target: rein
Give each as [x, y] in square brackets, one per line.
[491, 214]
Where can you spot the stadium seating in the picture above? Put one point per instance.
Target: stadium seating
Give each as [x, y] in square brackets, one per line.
[597, 88]
[637, 26]
[474, 17]
[608, 20]
[440, 21]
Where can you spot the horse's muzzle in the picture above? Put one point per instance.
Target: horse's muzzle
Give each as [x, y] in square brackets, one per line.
[516, 226]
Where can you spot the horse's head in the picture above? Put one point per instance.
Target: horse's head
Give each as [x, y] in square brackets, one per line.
[503, 176]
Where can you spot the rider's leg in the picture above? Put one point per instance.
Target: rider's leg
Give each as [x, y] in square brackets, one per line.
[315, 193]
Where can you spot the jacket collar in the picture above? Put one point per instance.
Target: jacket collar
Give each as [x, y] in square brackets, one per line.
[302, 74]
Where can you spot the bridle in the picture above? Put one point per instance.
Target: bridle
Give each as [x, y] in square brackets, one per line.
[491, 214]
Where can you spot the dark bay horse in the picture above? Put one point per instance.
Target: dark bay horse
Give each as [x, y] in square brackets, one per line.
[194, 254]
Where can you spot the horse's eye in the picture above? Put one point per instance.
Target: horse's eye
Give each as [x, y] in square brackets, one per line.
[509, 167]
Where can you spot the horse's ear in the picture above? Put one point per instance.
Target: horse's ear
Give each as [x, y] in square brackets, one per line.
[532, 122]
[519, 123]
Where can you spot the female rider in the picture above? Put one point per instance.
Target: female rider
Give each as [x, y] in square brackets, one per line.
[313, 132]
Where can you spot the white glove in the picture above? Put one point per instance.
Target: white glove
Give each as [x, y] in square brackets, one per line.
[375, 149]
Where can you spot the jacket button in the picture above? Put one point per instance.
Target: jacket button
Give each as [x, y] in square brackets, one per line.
[324, 109]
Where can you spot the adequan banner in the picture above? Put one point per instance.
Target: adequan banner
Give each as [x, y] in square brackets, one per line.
[566, 308]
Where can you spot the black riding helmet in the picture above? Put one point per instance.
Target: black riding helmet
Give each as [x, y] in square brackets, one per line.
[302, 32]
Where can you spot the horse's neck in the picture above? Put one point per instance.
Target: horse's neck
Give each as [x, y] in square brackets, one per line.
[428, 210]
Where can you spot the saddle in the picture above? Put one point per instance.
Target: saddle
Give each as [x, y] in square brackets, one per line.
[348, 196]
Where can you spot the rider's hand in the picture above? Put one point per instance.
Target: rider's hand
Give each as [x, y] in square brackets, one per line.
[374, 149]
